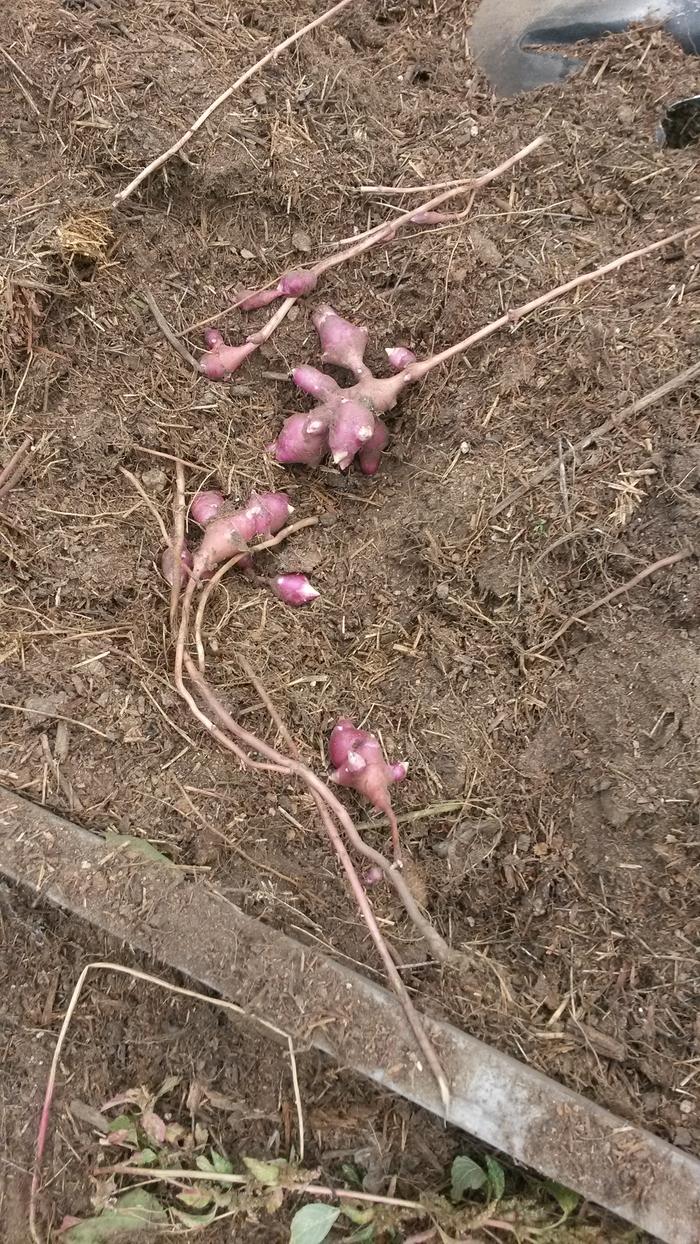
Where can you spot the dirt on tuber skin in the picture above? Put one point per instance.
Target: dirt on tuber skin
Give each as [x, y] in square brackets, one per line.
[346, 424]
[358, 762]
[228, 530]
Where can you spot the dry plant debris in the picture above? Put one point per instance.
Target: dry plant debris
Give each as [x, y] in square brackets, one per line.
[464, 559]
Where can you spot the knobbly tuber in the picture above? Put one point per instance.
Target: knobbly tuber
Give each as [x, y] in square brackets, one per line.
[228, 530]
[358, 762]
[346, 424]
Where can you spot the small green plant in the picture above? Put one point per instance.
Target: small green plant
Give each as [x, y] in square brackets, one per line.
[200, 1185]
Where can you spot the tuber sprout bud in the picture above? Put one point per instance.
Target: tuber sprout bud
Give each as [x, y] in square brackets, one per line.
[206, 506]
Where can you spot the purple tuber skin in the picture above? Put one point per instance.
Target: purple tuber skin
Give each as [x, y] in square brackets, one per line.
[294, 284]
[346, 424]
[228, 530]
[220, 360]
[358, 762]
[342, 343]
[400, 357]
[294, 589]
[206, 506]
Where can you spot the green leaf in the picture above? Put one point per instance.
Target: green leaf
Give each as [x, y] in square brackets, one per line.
[137, 1210]
[467, 1176]
[266, 1173]
[221, 1164]
[145, 1158]
[124, 1123]
[365, 1234]
[138, 846]
[312, 1224]
[496, 1178]
[203, 1164]
[359, 1216]
[196, 1198]
[564, 1197]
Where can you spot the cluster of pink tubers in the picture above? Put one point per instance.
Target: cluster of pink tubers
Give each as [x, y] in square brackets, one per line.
[358, 762]
[228, 530]
[346, 423]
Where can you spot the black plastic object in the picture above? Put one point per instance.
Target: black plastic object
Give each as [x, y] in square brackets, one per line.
[505, 33]
[680, 124]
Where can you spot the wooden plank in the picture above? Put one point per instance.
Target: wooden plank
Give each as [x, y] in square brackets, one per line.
[194, 928]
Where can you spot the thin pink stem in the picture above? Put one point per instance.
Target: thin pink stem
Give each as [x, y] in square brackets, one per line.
[221, 99]
[387, 230]
[436, 943]
[263, 334]
[416, 371]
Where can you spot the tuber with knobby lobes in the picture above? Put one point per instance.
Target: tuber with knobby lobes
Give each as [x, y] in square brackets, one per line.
[346, 424]
[228, 529]
[358, 761]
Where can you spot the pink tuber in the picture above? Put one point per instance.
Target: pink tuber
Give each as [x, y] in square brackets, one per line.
[291, 285]
[358, 762]
[228, 530]
[206, 505]
[400, 357]
[294, 589]
[221, 360]
[346, 424]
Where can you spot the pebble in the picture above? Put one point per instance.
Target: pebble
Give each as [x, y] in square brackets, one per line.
[155, 477]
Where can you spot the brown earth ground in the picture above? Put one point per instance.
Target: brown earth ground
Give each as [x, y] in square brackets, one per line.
[569, 862]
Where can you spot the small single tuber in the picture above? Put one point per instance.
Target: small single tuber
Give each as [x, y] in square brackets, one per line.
[358, 762]
[220, 360]
[293, 589]
[167, 563]
[291, 285]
